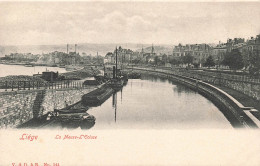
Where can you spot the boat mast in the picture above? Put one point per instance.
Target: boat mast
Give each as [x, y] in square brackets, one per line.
[122, 59]
[116, 62]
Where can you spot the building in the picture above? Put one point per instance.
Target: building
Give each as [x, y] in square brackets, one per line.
[199, 52]
[234, 43]
[219, 52]
[50, 76]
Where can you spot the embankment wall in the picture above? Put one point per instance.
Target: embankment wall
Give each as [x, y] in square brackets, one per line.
[17, 107]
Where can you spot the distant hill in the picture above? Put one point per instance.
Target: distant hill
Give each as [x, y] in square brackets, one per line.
[88, 48]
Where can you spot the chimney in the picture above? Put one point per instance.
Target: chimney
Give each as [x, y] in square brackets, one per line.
[75, 48]
[67, 48]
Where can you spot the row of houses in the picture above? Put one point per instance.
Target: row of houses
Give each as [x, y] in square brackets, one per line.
[245, 47]
[52, 58]
[199, 52]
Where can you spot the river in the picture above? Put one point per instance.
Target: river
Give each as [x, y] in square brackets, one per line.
[154, 103]
[6, 70]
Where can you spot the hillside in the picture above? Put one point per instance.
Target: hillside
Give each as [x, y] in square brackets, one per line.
[88, 48]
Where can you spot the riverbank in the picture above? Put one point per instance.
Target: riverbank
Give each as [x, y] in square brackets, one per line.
[247, 101]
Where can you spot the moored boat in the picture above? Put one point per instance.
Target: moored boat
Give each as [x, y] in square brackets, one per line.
[98, 96]
[70, 115]
[29, 65]
[116, 83]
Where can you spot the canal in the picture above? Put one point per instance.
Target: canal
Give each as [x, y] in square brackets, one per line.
[156, 103]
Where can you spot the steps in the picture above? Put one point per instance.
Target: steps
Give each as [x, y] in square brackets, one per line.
[37, 103]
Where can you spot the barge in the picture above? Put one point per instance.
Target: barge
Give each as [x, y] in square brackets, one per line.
[97, 97]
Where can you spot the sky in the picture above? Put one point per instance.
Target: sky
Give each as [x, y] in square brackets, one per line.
[36, 23]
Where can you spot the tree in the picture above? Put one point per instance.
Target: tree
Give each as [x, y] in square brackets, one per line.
[175, 61]
[187, 59]
[156, 60]
[254, 59]
[209, 62]
[234, 60]
[137, 60]
[164, 59]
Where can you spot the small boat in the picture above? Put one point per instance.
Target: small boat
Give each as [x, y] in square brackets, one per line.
[97, 97]
[29, 65]
[70, 111]
[76, 117]
[71, 117]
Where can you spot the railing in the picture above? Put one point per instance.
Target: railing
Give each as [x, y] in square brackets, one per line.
[31, 85]
[213, 74]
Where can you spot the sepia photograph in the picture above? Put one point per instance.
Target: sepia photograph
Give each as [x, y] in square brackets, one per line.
[129, 83]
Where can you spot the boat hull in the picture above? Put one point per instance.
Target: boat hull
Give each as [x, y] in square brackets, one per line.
[97, 97]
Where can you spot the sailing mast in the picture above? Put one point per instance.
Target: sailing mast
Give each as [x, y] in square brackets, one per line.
[116, 62]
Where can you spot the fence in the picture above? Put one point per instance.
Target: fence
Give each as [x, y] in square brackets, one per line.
[30, 85]
[244, 84]
[215, 74]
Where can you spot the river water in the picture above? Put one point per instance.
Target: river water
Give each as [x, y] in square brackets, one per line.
[6, 70]
[154, 103]
[151, 103]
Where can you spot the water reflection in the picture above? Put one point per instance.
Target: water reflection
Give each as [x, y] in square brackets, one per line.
[157, 103]
[151, 103]
[114, 103]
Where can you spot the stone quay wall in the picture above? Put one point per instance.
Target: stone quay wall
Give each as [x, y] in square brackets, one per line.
[230, 107]
[245, 85]
[18, 107]
[57, 99]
